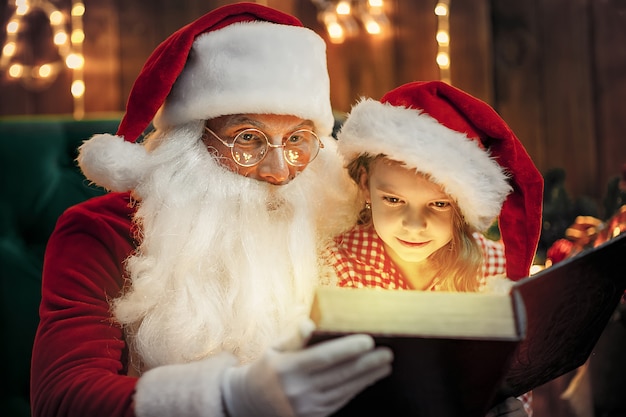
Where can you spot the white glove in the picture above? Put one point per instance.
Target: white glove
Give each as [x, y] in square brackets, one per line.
[511, 407]
[183, 390]
[312, 382]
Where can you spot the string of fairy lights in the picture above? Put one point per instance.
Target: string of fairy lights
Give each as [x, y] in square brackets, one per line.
[442, 11]
[344, 18]
[67, 37]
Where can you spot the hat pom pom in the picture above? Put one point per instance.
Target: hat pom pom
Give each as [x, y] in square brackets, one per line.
[111, 162]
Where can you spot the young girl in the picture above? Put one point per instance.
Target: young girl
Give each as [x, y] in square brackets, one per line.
[412, 234]
[436, 167]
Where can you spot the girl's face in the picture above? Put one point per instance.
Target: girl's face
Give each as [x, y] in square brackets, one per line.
[412, 215]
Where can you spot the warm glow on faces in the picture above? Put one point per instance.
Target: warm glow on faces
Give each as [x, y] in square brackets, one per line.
[412, 215]
[273, 168]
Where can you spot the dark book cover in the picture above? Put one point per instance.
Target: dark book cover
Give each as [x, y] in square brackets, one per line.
[567, 308]
[436, 377]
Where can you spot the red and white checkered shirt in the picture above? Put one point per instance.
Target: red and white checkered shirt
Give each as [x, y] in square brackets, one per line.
[360, 261]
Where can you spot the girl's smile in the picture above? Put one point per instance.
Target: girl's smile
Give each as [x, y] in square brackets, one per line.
[412, 244]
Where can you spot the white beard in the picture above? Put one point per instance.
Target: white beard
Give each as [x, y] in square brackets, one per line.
[226, 263]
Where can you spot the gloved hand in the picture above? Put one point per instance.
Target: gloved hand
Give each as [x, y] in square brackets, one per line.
[311, 382]
[511, 407]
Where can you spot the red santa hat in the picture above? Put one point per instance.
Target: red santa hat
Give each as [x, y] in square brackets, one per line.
[239, 58]
[464, 146]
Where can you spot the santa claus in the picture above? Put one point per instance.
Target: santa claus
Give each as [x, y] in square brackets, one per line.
[172, 294]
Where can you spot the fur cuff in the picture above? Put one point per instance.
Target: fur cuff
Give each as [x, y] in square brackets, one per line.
[111, 162]
[186, 390]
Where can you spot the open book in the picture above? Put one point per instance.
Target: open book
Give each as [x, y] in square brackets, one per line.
[458, 354]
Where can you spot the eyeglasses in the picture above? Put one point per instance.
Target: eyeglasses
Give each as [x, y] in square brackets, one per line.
[250, 146]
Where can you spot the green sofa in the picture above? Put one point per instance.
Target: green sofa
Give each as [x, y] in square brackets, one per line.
[39, 179]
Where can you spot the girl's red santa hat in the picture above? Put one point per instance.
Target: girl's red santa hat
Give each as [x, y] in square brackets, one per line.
[240, 58]
[464, 146]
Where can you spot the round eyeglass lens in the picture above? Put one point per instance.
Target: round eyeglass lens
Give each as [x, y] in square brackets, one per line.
[301, 147]
[249, 147]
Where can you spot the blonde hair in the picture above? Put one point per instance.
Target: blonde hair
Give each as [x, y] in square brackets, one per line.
[460, 262]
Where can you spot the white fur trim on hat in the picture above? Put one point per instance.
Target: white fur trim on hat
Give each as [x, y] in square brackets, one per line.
[111, 162]
[253, 67]
[465, 171]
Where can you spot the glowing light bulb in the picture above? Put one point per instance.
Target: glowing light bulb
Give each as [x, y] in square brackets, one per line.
[60, 38]
[443, 38]
[56, 17]
[78, 88]
[372, 27]
[9, 49]
[443, 60]
[13, 26]
[343, 8]
[335, 31]
[441, 9]
[44, 71]
[16, 70]
[78, 9]
[22, 9]
[78, 36]
[74, 61]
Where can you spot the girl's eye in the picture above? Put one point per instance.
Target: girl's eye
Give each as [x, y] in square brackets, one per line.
[441, 204]
[391, 200]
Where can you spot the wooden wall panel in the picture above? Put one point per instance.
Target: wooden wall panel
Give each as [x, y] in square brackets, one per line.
[470, 48]
[415, 45]
[517, 63]
[544, 85]
[102, 64]
[609, 66]
[568, 93]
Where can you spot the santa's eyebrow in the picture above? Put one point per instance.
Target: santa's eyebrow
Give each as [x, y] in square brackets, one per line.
[243, 119]
[240, 120]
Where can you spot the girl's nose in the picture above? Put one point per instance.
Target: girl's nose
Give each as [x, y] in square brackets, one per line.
[414, 219]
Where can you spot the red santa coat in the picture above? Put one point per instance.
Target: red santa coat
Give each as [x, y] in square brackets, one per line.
[79, 354]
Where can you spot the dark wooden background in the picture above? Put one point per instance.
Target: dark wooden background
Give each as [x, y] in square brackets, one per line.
[554, 69]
